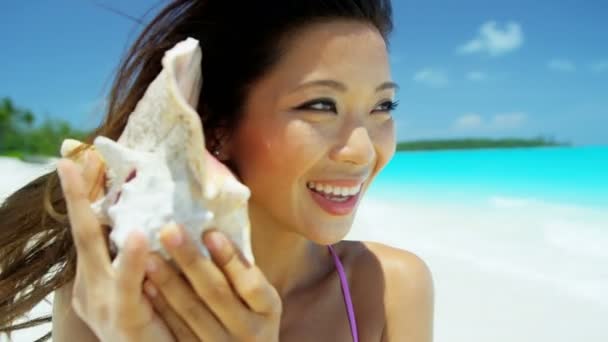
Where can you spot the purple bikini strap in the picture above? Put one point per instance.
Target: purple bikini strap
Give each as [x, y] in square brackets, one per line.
[346, 293]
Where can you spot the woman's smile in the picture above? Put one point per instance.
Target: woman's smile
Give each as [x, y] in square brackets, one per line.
[336, 197]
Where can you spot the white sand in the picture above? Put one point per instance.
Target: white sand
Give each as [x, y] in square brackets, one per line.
[517, 273]
[514, 270]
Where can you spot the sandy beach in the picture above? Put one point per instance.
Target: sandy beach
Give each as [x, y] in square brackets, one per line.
[512, 270]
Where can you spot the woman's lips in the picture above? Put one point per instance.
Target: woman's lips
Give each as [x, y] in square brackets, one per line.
[334, 207]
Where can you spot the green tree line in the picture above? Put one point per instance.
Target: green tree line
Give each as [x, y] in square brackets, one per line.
[22, 136]
[476, 143]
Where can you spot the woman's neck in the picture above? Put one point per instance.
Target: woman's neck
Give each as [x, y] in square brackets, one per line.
[288, 260]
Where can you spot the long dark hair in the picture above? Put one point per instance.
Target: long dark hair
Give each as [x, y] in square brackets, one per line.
[240, 41]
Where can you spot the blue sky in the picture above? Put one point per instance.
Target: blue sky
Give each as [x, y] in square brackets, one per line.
[466, 68]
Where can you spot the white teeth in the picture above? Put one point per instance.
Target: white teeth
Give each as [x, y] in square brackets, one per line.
[334, 190]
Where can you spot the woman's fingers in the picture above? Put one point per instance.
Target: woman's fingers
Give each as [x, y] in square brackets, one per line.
[247, 279]
[182, 298]
[93, 174]
[130, 273]
[206, 278]
[180, 330]
[86, 232]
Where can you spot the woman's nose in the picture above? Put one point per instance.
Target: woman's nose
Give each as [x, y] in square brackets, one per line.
[358, 148]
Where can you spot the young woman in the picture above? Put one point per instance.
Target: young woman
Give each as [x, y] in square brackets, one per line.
[296, 100]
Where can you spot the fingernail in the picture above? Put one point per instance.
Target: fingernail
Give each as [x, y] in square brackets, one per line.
[175, 235]
[150, 289]
[151, 266]
[217, 240]
[133, 240]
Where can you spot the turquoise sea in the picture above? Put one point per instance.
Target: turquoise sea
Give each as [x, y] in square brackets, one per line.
[516, 239]
[567, 175]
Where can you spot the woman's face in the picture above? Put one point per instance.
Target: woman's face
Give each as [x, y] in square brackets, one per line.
[320, 115]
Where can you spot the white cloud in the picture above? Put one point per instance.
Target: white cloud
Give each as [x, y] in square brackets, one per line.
[600, 66]
[494, 41]
[561, 65]
[476, 76]
[432, 77]
[468, 121]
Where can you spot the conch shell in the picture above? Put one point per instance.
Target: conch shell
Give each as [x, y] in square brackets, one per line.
[159, 171]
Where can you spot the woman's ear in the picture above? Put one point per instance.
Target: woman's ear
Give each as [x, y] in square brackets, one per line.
[221, 147]
[222, 144]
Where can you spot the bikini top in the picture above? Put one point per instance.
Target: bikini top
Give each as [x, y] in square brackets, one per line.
[346, 293]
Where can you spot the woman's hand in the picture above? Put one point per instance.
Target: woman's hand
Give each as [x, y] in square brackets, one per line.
[223, 299]
[109, 300]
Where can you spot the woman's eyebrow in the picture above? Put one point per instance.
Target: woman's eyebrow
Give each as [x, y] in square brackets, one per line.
[341, 86]
[387, 85]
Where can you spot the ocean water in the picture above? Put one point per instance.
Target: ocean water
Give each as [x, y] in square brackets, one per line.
[516, 239]
[569, 175]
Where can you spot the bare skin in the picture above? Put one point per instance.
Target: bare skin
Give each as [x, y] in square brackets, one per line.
[278, 148]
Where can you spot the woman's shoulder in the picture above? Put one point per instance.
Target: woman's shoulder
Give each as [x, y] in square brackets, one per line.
[398, 278]
[366, 258]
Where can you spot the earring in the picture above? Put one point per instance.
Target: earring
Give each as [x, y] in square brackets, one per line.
[216, 153]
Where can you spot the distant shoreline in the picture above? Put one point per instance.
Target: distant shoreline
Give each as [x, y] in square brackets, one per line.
[414, 145]
[476, 143]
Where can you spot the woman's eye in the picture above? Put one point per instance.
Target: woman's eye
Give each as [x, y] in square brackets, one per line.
[325, 105]
[386, 106]
[321, 105]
